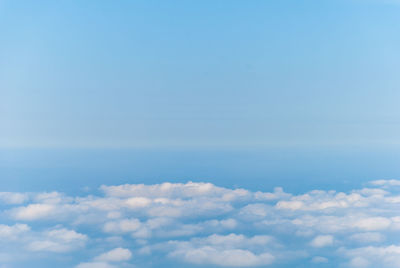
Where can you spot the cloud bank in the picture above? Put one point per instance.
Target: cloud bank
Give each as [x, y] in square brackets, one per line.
[202, 225]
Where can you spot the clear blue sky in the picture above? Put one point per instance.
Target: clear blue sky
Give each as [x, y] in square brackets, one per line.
[198, 73]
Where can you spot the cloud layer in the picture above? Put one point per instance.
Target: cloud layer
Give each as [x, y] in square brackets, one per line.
[200, 224]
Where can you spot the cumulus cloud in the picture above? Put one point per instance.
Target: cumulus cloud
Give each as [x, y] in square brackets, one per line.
[13, 198]
[203, 224]
[115, 255]
[322, 241]
[371, 256]
[319, 259]
[373, 223]
[33, 212]
[385, 183]
[122, 226]
[108, 259]
[174, 191]
[367, 238]
[58, 240]
[224, 250]
[12, 232]
[95, 265]
[227, 257]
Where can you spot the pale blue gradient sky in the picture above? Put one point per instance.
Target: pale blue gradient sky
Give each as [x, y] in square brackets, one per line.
[199, 73]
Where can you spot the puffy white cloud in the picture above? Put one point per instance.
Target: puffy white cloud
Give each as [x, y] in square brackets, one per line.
[13, 198]
[322, 241]
[227, 224]
[234, 240]
[58, 240]
[359, 262]
[115, 255]
[200, 223]
[385, 183]
[322, 200]
[33, 212]
[373, 223]
[369, 237]
[319, 259]
[51, 198]
[225, 250]
[12, 232]
[347, 223]
[371, 256]
[227, 257]
[278, 194]
[175, 190]
[138, 202]
[95, 265]
[122, 226]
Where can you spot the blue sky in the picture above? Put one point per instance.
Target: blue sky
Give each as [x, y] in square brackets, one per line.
[213, 133]
[198, 74]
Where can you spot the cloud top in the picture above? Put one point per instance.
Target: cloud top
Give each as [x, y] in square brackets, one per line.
[200, 224]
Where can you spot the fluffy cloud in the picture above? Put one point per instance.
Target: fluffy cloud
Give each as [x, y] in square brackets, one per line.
[224, 250]
[227, 257]
[203, 224]
[95, 265]
[367, 238]
[13, 198]
[58, 240]
[385, 183]
[319, 259]
[322, 241]
[33, 212]
[122, 226]
[385, 256]
[175, 191]
[13, 232]
[115, 255]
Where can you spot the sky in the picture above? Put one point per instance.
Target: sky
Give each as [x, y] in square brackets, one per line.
[213, 133]
[198, 74]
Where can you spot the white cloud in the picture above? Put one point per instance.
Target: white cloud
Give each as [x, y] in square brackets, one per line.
[225, 250]
[322, 200]
[33, 212]
[115, 255]
[322, 241]
[347, 223]
[51, 198]
[373, 223]
[122, 226]
[174, 190]
[227, 224]
[369, 237]
[58, 240]
[276, 195]
[385, 183]
[138, 202]
[384, 256]
[200, 223]
[359, 262]
[227, 257]
[13, 198]
[12, 232]
[95, 265]
[319, 259]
